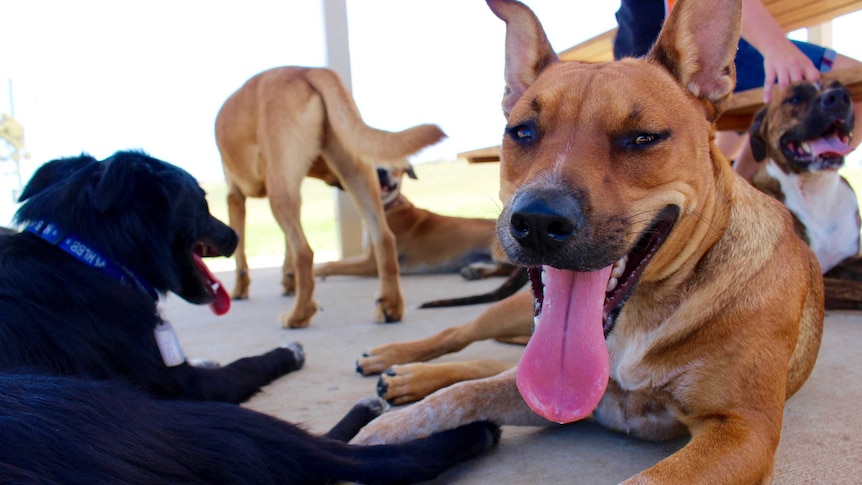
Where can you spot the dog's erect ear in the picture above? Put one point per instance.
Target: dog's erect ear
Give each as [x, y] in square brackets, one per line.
[53, 172]
[756, 138]
[697, 45]
[410, 173]
[528, 51]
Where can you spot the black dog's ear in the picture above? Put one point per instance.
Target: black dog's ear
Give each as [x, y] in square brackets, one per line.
[121, 175]
[410, 173]
[755, 136]
[53, 172]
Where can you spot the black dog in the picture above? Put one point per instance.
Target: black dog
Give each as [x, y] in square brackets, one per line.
[79, 285]
[78, 343]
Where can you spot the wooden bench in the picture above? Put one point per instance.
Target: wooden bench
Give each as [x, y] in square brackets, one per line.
[790, 14]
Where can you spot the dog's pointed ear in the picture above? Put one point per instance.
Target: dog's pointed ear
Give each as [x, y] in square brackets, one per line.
[697, 45]
[53, 172]
[410, 173]
[528, 51]
[756, 139]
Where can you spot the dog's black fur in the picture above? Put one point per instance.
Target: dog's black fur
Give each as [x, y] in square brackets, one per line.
[61, 316]
[82, 382]
[71, 430]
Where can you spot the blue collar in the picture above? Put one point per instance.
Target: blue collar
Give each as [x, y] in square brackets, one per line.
[89, 256]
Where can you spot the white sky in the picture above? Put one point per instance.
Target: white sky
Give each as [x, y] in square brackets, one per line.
[103, 75]
[99, 76]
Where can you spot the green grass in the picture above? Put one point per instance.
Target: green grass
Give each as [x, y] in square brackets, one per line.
[450, 188]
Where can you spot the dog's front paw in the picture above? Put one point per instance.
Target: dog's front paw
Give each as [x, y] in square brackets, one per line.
[298, 353]
[381, 358]
[402, 384]
[387, 311]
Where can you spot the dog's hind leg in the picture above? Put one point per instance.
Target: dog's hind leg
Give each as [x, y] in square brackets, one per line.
[236, 219]
[360, 181]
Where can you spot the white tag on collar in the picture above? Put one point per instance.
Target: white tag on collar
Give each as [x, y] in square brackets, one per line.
[169, 345]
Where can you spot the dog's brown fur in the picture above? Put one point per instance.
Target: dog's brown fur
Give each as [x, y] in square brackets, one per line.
[427, 242]
[823, 204]
[724, 323]
[291, 122]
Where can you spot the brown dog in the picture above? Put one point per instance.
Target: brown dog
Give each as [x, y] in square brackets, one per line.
[803, 136]
[291, 122]
[673, 297]
[427, 242]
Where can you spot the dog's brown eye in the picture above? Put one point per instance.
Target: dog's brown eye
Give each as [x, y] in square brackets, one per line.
[522, 133]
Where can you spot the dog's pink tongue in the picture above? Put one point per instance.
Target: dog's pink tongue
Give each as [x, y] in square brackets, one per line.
[221, 303]
[564, 370]
[831, 144]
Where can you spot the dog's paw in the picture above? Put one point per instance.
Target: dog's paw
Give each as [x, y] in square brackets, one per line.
[298, 353]
[300, 316]
[374, 406]
[380, 358]
[388, 312]
[403, 384]
[473, 271]
[401, 425]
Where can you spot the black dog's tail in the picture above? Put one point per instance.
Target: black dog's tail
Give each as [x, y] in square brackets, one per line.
[85, 431]
[516, 280]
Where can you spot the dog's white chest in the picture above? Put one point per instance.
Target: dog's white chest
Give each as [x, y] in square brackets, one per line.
[828, 208]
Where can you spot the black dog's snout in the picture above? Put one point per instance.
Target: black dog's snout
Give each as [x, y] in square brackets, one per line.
[383, 176]
[836, 100]
[544, 222]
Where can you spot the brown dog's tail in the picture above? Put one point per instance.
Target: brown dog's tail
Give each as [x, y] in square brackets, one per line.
[378, 146]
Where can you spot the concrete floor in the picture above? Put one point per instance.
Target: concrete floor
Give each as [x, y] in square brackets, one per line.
[821, 441]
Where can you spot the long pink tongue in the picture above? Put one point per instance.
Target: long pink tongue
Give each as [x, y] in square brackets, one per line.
[833, 144]
[221, 303]
[564, 370]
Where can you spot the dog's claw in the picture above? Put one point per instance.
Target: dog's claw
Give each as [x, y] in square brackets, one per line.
[382, 387]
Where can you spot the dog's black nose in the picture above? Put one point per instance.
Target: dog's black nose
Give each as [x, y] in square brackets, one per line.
[836, 100]
[544, 222]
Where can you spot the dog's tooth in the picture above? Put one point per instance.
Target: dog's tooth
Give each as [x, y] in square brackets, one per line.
[612, 283]
[805, 147]
[536, 321]
[544, 276]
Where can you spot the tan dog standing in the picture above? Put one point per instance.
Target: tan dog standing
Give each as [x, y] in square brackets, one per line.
[802, 137]
[291, 122]
[673, 297]
[427, 242]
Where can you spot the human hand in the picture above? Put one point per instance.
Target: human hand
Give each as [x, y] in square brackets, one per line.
[784, 64]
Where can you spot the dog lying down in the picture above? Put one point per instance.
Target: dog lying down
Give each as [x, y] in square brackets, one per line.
[671, 296]
[86, 364]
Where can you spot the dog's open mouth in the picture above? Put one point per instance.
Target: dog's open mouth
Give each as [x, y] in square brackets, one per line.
[824, 152]
[564, 370]
[220, 299]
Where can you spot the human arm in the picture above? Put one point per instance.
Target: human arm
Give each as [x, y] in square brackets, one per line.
[783, 62]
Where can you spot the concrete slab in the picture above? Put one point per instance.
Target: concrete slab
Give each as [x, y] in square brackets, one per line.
[822, 435]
